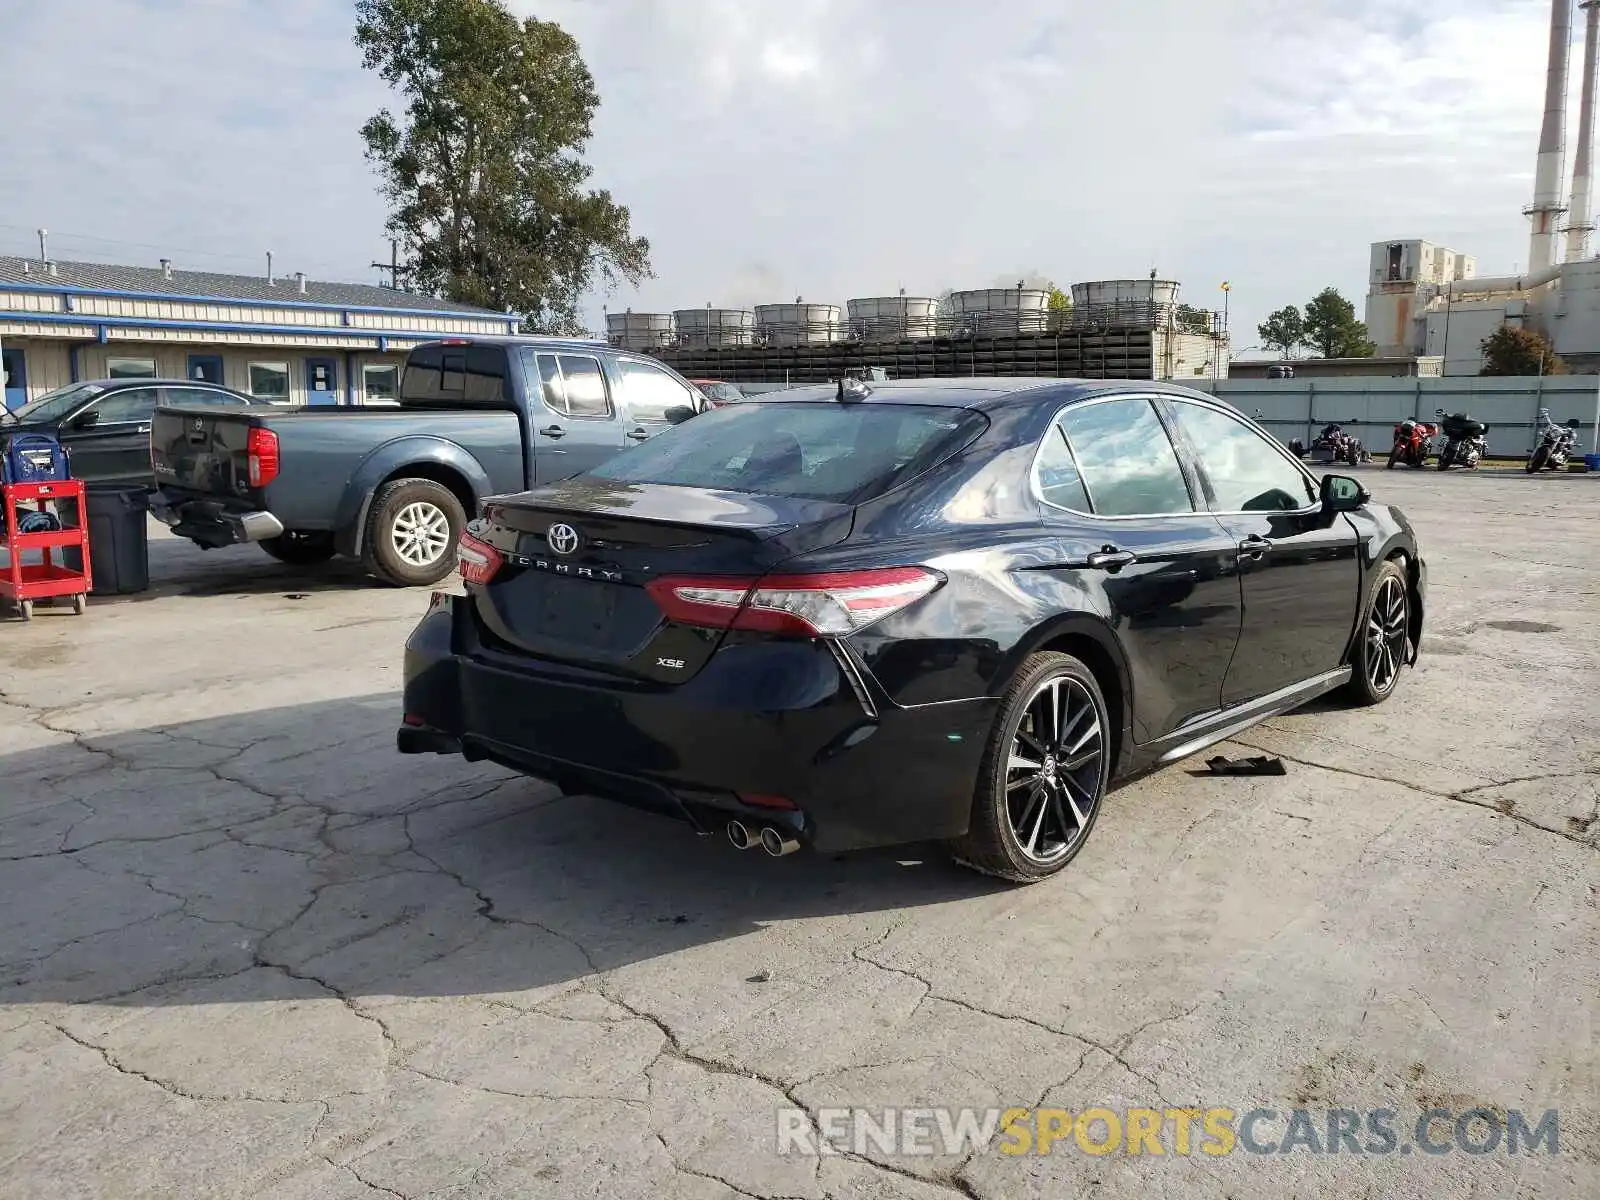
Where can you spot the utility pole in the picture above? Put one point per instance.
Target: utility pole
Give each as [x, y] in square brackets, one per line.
[393, 265]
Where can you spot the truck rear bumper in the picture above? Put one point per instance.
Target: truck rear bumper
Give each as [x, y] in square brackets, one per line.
[211, 523]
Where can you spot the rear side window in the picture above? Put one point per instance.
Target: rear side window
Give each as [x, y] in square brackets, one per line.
[1127, 461]
[571, 384]
[1059, 481]
[819, 451]
[455, 377]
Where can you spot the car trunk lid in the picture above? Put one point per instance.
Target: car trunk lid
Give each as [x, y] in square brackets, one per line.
[579, 555]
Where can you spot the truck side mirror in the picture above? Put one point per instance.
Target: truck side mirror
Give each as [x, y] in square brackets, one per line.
[86, 420]
[678, 414]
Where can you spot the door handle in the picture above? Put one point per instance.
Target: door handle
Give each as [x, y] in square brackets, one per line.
[1254, 548]
[1111, 559]
[638, 435]
[553, 431]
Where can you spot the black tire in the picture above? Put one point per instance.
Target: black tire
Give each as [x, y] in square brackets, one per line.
[1538, 460]
[991, 845]
[1368, 685]
[1394, 457]
[300, 549]
[1445, 455]
[380, 553]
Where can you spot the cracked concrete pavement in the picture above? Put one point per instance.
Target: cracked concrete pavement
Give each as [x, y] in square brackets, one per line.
[251, 951]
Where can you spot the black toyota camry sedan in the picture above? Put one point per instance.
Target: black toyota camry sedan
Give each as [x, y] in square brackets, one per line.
[941, 609]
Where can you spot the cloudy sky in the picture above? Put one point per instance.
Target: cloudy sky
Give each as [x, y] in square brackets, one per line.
[825, 148]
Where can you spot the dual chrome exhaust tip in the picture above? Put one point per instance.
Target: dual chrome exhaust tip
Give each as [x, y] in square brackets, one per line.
[771, 839]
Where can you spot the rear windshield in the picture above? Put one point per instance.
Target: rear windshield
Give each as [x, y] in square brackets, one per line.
[455, 377]
[818, 451]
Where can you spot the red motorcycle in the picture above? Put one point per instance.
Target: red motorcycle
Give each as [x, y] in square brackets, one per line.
[1412, 440]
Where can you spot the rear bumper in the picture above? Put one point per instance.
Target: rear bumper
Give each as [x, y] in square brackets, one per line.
[213, 523]
[761, 719]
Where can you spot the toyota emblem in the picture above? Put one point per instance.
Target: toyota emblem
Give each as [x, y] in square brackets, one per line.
[563, 539]
[199, 424]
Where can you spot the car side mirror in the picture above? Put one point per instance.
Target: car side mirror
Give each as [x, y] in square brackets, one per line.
[678, 414]
[1341, 493]
[86, 420]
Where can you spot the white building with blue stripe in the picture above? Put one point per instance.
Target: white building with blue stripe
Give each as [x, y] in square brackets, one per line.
[283, 338]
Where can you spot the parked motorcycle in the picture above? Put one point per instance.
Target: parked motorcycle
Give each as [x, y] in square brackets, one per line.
[1412, 442]
[1556, 443]
[1464, 443]
[1334, 445]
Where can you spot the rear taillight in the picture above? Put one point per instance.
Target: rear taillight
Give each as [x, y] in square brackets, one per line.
[261, 452]
[478, 561]
[823, 605]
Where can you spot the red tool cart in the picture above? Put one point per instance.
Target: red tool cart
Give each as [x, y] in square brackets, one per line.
[23, 583]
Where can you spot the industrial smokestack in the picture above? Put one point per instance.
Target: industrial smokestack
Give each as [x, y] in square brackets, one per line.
[1580, 221]
[1547, 178]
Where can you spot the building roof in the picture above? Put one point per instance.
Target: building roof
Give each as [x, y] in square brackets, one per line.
[209, 285]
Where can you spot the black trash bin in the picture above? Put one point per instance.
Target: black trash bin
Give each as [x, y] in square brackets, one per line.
[119, 540]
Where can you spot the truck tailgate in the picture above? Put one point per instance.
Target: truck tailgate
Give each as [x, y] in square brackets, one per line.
[201, 450]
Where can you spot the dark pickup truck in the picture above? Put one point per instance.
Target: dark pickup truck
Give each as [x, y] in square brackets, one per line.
[394, 486]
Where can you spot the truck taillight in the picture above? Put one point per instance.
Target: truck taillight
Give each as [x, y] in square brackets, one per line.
[261, 452]
[478, 561]
[830, 604]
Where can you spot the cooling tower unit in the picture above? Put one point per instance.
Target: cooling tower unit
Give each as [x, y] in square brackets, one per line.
[1124, 303]
[798, 324]
[639, 331]
[892, 318]
[705, 328]
[1001, 312]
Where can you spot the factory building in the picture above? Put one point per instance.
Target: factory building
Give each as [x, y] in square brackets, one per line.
[1425, 300]
[1114, 329]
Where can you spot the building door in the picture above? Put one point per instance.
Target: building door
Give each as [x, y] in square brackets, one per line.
[16, 377]
[206, 368]
[322, 381]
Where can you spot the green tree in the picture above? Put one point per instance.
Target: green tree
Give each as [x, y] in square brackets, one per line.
[1511, 350]
[1284, 330]
[1059, 301]
[484, 170]
[1331, 327]
[1195, 319]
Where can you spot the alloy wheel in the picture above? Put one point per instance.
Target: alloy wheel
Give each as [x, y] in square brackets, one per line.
[421, 533]
[1386, 635]
[1055, 772]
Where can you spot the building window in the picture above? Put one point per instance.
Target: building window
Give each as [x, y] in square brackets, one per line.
[269, 380]
[380, 381]
[130, 368]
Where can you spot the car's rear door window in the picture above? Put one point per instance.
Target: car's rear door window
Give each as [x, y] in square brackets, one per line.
[585, 385]
[1246, 472]
[822, 451]
[1128, 465]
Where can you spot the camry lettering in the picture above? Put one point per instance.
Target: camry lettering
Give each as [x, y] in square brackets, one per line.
[603, 574]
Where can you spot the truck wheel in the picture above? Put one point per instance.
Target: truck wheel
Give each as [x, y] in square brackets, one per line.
[412, 532]
[300, 549]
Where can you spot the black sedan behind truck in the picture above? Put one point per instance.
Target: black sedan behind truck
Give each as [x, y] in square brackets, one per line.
[394, 486]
